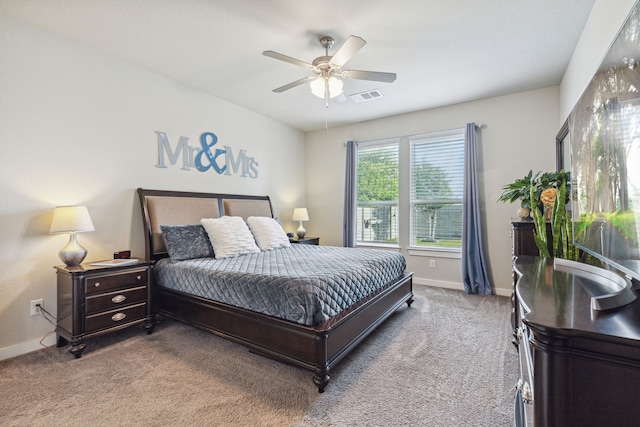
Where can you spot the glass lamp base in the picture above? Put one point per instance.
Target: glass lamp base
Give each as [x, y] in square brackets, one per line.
[73, 253]
[301, 232]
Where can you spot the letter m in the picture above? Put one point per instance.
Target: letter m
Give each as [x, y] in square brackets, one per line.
[165, 147]
[235, 164]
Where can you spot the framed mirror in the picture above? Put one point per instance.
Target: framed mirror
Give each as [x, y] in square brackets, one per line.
[563, 148]
[604, 127]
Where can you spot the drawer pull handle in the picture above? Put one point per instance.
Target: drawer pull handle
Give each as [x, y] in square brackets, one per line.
[118, 317]
[139, 277]
[118, 299]
[97, 284]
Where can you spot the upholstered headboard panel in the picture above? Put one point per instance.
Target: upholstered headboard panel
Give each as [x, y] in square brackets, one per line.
[247, 208]
[177, 211]
[180, 208]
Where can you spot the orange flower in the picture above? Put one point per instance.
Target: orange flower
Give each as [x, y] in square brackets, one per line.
[548, 197]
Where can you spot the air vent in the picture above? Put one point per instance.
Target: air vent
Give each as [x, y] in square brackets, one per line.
[366, 96]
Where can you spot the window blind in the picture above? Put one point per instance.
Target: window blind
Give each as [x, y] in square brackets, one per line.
[437, 179]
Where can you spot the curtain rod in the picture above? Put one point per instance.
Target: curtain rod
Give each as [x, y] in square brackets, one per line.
[478, 125]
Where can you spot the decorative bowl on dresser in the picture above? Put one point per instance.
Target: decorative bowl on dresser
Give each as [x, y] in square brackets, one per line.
[94, 300]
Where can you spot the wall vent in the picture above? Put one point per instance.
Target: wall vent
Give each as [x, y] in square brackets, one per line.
[366, 96]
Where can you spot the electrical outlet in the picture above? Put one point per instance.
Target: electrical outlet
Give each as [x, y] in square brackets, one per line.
[432, 263]
[34, 309]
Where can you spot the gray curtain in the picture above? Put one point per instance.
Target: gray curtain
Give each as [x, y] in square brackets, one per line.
[474, 271]
[348, 228]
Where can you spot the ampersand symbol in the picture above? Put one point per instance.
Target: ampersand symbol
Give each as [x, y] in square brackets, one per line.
[206, 150]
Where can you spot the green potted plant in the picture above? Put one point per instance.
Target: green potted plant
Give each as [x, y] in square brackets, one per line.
[549, 195]
[544, 197]
[520, 190]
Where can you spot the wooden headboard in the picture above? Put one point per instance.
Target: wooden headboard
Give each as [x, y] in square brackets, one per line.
[160, 207]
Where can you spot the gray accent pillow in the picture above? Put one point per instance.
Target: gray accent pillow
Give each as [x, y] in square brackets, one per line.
[186, 242]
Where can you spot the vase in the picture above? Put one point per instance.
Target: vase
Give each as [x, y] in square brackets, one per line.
[523, 213]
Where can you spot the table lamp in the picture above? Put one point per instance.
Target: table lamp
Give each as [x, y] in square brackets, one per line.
[72, 220]
[300, 214]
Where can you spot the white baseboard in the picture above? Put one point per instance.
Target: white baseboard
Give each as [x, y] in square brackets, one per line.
[503, 292]
[454, 285]
[27, 347]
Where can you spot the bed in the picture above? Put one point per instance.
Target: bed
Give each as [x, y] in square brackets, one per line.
[315, 340]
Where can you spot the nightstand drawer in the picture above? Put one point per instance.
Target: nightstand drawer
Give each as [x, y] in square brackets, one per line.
[113, 300]
[115, 317]
[114, 281]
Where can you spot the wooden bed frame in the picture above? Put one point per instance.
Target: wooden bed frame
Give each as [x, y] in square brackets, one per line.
[316, 348]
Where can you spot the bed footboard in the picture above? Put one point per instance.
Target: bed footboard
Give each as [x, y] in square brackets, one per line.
[316, 348]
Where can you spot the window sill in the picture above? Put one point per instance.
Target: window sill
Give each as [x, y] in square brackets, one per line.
[371, 245]
[435, 253]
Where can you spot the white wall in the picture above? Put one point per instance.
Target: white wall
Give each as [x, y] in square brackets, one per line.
[520, 136]
[78, 128]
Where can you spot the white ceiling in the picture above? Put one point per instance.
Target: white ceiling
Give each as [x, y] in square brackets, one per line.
[443, 51]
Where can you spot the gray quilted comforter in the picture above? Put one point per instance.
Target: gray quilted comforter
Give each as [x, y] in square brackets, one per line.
[306, 284]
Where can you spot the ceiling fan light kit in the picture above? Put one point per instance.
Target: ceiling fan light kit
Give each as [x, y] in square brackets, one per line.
[321, 85]
[326, 82]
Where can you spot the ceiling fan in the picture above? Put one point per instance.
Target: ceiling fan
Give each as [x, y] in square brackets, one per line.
[327, 70]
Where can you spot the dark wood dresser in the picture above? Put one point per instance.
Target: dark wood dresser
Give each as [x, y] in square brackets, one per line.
[95, 300]
[522, 244]
[579, 367]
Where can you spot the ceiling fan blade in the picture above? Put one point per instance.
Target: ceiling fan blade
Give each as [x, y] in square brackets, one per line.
[349, 48]
[294, 84]
[376, 76]
[290, 60]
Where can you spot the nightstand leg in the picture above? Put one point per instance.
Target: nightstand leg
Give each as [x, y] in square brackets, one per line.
[150, 324]
[321, 380]
[77, 347]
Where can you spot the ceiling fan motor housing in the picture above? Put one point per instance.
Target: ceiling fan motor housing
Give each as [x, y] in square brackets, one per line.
[327, 43]
[323, 63]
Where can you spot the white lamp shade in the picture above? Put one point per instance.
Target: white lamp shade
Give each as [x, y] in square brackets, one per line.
[300, 214]
[318, 86]
[68, 219]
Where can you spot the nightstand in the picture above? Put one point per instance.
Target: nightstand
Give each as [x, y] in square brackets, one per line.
[94, 300]
[306, 241]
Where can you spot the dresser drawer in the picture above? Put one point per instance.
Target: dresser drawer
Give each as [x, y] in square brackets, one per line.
[113, 281]
[113, 300]
[114, 318]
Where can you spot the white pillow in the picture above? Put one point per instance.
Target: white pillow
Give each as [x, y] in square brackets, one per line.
[268, 233]
[229, 236]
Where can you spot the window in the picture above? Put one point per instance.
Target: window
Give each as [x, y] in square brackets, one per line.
[436, 192]
[431, 170]
[377, 192]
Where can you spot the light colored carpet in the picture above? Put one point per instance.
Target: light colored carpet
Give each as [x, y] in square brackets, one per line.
[445, 361]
